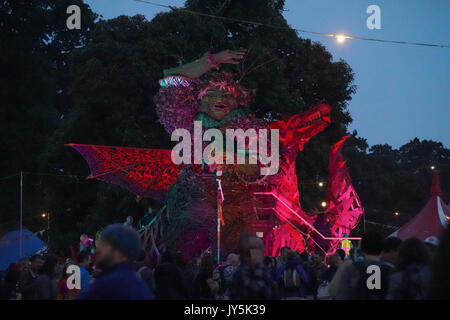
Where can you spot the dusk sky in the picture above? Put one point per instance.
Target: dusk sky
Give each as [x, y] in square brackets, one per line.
[403, 91]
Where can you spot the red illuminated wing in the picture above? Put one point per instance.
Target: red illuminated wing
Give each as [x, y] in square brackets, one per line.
[344, 202]
[147, 173]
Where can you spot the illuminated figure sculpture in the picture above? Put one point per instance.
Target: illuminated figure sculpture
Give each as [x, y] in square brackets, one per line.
[346, 245]
[86, 243]
[266, 205]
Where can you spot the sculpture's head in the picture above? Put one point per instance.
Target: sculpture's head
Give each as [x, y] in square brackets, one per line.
[312, 122]
[299, 129]
[180, 99]
[221, 94]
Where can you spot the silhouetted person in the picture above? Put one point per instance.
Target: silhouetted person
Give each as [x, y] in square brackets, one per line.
[389, 253]
[144, 272]
[223, 275]
[169, 282]
[8, 288]
[116, 251]
[354, 276]
[28, 276]
[282, 258]
[252, 279]
[440, 279]
[313, 283]
[334, 261]
[84, 260]
[47, 281]
[190, 273]
[412, 273]
[341, 254]
[292, 277]
[204, 287]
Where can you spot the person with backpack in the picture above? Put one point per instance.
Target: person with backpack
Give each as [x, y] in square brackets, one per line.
[292, 277]
[354, 282]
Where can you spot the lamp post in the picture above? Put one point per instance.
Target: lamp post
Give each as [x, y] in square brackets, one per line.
[47, 215]
[21, 217]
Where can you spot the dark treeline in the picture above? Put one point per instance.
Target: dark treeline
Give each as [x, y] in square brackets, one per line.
[96, 86]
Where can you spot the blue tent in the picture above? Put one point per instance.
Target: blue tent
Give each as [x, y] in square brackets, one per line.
[9, 247]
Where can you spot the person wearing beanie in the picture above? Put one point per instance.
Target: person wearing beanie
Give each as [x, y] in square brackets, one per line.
[117, 249]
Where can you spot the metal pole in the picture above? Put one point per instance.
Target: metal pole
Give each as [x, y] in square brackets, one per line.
[219, 210]
[364, 220]
[21, 214]
[48, 229]
[218, 220]
[218, 235]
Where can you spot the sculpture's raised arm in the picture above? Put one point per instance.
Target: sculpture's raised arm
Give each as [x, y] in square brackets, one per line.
[207, 62]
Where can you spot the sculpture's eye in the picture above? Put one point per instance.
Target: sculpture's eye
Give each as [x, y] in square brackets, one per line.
[212, 94]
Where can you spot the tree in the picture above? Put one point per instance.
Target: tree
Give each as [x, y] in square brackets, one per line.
[389, 180]
[35, 46]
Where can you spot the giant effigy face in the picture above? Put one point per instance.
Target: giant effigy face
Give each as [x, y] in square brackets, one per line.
[218, 103]
[215, 99]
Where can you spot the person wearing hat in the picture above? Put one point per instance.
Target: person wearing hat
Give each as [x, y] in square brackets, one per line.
[117, 249]
[432, 243]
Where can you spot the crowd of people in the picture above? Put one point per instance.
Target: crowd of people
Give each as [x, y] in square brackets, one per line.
[406, 270]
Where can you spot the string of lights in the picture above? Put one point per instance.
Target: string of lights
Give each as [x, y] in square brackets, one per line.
[338, 37]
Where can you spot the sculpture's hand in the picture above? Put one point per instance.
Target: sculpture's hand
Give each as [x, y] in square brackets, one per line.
[200, 66]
